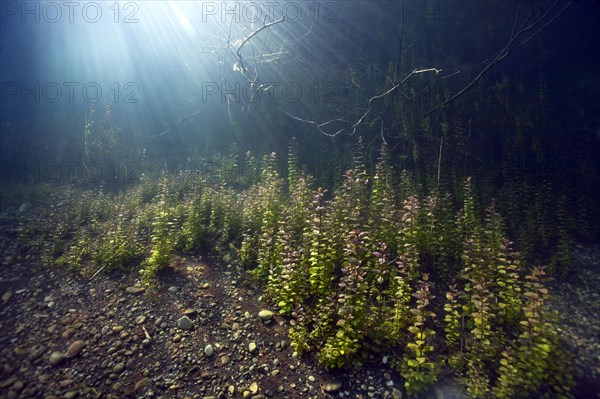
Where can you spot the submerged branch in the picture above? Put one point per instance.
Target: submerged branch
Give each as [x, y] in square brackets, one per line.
[238, 52]
[508, 49]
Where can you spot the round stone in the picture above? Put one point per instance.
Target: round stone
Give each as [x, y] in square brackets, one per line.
[265, 314]
[75, 348]
[184, 323]
[119, 367]
[57, 358]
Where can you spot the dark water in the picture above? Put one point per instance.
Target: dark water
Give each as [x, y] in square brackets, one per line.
[156, 63]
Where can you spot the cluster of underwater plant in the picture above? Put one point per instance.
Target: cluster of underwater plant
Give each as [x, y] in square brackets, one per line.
[141, 228]
[360, 273]
[373, 268]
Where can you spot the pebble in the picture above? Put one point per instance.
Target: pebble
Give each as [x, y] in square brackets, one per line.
[332, 386]
[136, 289]
[252, 347]
[6, 297]
[208, 350]
[36, 352]
[254, 388]
[141, 384]
[190, 312]
[57, 358]
[184, 323]
[8, 382]
[18, 386]
[75, 349]
[71, 394]
[119, 367]
[49, 298]
[140, 319]
[265, 315]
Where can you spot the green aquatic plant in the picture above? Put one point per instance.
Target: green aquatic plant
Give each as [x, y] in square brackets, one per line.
[163, 235]
[531, 361]
[418, 366]
[352, 295]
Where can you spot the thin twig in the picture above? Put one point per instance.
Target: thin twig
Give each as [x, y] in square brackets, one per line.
[508, 48]
[177, 124]
[369, 110]
[95, 274]
[146, 332]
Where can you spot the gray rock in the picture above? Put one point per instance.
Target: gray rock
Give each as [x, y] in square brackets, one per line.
[185, 323]
[208, 350]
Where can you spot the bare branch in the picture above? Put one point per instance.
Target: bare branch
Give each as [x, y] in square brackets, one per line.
[354, 125]
[250, 36]
[180, 121]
